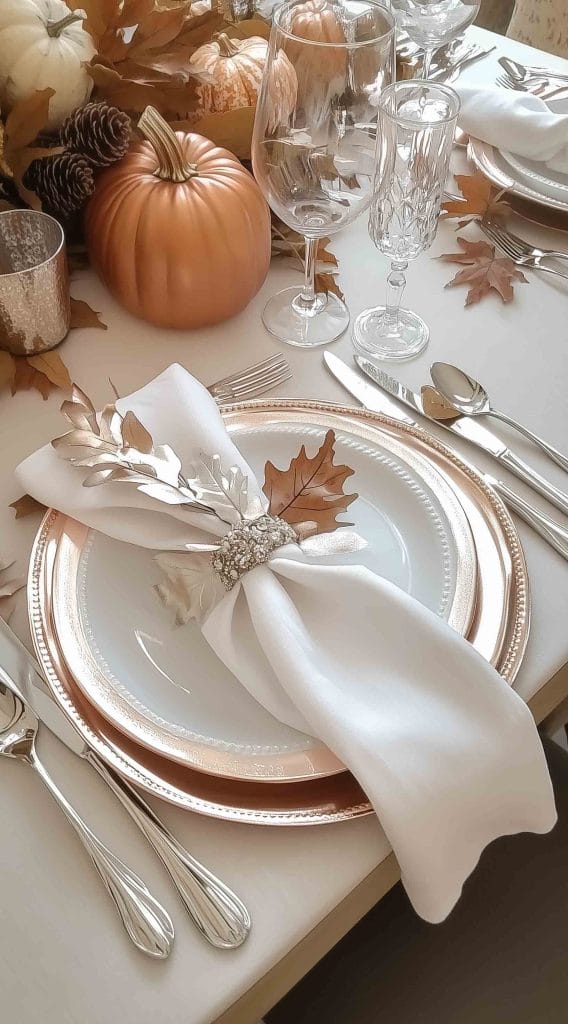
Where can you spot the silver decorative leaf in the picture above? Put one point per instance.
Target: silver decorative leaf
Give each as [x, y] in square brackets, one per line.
[225, 492]
[134, 435]
[110, 425]
[189, 586]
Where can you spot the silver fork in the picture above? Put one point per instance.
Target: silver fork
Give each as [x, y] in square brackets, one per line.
[520, 251]
[543, 88]
[500, 238]
[254, 380]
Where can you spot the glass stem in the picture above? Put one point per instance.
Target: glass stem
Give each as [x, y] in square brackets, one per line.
[309, 289]
[428, 54]
[396, 282]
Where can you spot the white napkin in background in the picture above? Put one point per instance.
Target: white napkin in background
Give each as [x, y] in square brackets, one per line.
[517, 122]
[447, 752]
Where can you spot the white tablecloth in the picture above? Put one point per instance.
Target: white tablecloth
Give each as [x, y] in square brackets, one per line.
[63, 957]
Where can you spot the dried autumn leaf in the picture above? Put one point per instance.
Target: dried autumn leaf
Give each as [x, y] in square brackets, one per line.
[27, 118]
[484, 272]
[250, 27]
[26, 377]
[9, 587]
[328, 283]
[435, 405]
[52, 366]
[26, 506]
[310, 490]
[83, 316]
[7, 370]
[231, 129]
[135, 435]
[289, 244]
[480, 200]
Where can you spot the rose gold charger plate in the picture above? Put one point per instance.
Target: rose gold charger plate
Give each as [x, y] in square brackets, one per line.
[499, 630]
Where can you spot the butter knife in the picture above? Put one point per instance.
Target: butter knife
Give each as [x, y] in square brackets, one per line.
[371, 397]
[470, 430]
[219, 914]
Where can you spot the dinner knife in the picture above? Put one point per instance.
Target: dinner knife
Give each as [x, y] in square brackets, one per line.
[371, 397]
[219, 914]
[469, 429]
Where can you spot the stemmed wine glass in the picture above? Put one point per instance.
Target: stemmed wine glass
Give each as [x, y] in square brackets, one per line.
[314, 140]
[414, 142]
[432, 23]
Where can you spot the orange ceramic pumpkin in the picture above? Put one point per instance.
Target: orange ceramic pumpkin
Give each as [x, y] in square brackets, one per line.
[178, 230]
[317, 21]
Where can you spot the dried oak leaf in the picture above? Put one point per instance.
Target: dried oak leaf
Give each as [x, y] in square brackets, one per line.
[231, 129]
[26, 377]
[484, 272]
[26, 506]
[290, 245]
[83, 316]
[435, 405]
[480, 199]
[310, 490]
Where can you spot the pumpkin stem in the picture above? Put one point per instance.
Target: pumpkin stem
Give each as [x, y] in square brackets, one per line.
[227, 47]
[172, 165]
[55, 28]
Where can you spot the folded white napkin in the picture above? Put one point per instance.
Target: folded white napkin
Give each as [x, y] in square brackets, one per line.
[517, 122]
[446, 751]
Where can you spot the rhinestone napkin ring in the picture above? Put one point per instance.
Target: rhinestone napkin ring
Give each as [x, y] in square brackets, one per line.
[250, 544]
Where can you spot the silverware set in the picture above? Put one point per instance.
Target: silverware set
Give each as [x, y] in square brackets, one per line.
[378, 397]
[521, 252]
[449, 60]
[540, 81]
[253, 381]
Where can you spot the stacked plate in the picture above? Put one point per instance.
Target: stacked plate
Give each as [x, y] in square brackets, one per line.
[156, 704]
[528, 181]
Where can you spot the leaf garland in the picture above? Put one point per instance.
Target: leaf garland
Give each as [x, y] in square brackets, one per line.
[480, 199]
[310, 490]
[483, 271]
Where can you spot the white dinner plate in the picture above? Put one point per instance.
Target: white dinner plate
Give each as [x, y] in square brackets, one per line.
[499, 168]
[164, 687]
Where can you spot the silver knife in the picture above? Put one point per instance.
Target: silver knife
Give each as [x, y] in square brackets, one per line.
[219, 914]
[470, 430]
[376, 400]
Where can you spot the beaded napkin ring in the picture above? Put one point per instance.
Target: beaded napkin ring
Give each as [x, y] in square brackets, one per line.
[250, 544]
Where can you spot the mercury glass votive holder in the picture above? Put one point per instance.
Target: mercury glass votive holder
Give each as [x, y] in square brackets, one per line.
[34, 282]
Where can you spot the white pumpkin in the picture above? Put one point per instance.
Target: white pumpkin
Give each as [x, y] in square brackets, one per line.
[44, 45]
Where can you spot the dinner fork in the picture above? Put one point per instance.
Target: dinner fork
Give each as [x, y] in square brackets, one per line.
[521, 253]
[543, 88]
[148, 925]
[254, 380]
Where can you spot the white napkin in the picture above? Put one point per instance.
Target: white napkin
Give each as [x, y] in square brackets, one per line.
[516, 122]
[448, 754]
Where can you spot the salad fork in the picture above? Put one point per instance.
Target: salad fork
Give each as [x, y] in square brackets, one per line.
[541, 87]
[520, 252]
[148, 925]
[254, 380]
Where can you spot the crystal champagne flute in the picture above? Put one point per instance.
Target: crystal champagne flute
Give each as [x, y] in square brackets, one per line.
[432, 23]
[414, 142]
[314, 140]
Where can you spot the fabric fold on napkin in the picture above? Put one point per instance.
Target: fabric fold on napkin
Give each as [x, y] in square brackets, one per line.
[517, 122]
[447, 752]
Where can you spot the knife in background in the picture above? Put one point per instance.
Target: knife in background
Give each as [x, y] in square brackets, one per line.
[469, 429]
[218, 913]
[371, 397]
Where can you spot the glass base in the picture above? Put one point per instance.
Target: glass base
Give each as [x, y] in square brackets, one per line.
[284, 317]
[383, 338]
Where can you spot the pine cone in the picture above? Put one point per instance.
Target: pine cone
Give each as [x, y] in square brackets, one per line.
[63, 182]
[98, 132]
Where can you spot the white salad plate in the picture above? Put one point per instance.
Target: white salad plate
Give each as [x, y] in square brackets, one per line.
[162, 685]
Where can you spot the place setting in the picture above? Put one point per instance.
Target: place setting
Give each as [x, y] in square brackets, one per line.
[265, 610]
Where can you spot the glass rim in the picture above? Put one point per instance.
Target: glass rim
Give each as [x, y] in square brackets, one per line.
[287, 4]
[37, 266]
[403, 86]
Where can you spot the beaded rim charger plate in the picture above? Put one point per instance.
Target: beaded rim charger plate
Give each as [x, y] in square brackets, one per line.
[499, 627]
[165, 688]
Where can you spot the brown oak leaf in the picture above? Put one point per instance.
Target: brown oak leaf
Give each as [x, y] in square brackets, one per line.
[52, 366]
[435, 405]
[483, 271]
[311, 489]
[290, 245]
[26, 506]
[480, 199]
[25, 121]
[26, 377]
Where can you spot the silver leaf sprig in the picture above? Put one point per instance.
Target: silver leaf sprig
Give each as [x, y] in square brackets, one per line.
[120, 448]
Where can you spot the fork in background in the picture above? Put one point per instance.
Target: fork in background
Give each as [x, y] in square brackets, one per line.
[544, 88]
[519, 251]
[254, 380]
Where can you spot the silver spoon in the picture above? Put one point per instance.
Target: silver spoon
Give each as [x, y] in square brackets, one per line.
[470, 398]
[148, 925]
